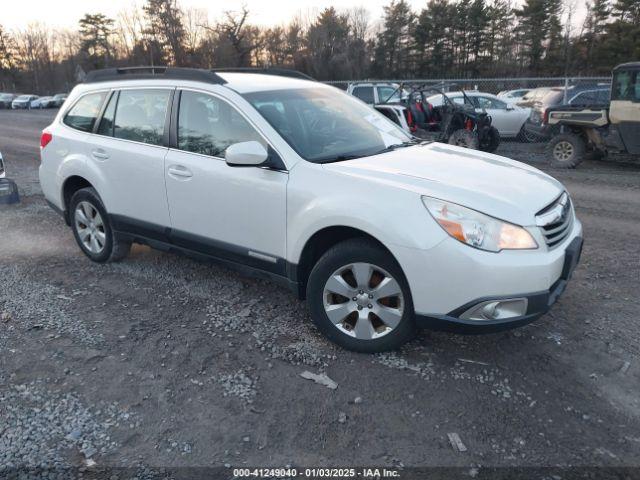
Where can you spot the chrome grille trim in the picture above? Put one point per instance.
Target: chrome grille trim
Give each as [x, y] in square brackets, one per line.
[555, 220]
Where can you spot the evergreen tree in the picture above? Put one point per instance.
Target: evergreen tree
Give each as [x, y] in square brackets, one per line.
[95, 31]
[165, 29]
[393, 49]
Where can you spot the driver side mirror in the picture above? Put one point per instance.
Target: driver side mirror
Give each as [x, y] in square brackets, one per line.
[510, 107]
[246, 154]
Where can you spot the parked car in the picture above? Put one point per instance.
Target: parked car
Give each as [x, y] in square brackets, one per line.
[513, 96]
[297, 181]
[508, 119]
[42, 102]
[537, 125]
[596, 130]
[23, 102]
[377, 92]
[6, 99]
[59, 98]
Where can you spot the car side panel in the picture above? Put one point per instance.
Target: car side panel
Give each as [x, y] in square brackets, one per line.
[317, 199]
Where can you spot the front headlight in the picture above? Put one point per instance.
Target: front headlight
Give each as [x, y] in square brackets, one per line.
[477, 229]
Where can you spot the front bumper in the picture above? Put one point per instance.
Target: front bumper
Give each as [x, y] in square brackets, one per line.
[538, 303]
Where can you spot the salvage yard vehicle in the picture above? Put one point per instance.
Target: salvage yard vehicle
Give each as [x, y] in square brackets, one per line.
[299, 182]
[455, 122]
[23, 102]
[537, 127]
[597, 130]
[508, 119]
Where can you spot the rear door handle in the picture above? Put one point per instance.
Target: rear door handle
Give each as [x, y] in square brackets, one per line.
[100, 154]
[179, 171]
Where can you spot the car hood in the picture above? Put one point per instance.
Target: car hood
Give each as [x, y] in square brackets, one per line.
[491, 184]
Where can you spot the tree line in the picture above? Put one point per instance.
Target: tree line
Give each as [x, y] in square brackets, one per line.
[446, 38]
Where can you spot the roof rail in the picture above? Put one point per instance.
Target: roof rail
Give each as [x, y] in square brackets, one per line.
[162, 72]
[281, 72]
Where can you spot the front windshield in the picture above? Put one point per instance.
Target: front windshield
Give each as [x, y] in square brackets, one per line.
[326, 125]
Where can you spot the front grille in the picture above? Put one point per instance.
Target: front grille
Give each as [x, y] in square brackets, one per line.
[555, 220]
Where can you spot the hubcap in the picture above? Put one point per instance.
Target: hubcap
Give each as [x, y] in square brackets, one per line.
[563, 151]
[363, 301]
[90, 227]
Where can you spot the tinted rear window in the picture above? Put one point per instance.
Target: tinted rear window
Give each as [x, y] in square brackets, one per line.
[83, 114]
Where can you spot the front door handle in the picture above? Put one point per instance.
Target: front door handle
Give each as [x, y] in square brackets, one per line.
[179, 171]
[99, 154]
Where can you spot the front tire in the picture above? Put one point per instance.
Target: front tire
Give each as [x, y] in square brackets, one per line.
[359, 298]
[566, 150]
[92, 228]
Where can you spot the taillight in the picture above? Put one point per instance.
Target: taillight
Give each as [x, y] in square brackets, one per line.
[45, 138]
[545, 116]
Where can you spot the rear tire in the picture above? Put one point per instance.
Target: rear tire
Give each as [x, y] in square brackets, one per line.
[92, 228]
[566, 150]
[491, 141]
[464, 138]
[370, 283]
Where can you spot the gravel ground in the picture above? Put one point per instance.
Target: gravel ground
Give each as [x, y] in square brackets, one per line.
[162, 362]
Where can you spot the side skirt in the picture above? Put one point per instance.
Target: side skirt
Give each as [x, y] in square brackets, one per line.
[247, 262]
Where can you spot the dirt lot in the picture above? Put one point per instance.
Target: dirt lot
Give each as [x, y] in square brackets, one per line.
[160, 361]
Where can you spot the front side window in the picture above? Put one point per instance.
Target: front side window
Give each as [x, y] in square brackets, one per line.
[208, 125]
[84, 113]
[326, 125]
[364, 93]
[140, 115]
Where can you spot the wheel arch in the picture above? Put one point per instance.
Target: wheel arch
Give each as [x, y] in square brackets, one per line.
[319, 243]
[70, 186]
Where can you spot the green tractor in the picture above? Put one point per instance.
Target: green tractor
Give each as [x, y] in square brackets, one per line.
[593, 131]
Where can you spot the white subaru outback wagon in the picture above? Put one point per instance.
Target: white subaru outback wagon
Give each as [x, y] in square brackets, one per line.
[295, 180]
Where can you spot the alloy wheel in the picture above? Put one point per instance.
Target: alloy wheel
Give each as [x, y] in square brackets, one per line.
[363, 301]
[90, 227]
[563, 151]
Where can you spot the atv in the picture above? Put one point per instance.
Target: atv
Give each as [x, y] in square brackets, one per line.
[594, 131]
[450, 122]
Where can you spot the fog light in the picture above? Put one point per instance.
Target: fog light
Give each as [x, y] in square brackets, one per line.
[497, 309]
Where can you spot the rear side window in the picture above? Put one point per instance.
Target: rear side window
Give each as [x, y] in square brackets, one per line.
[83, 114]
[364, 93]
[208, 125]
[140, 115]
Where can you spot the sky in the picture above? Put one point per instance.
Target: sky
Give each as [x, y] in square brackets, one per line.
[66, 13]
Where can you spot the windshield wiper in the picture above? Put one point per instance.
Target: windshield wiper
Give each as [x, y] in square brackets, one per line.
[340, 158]
[395, 146]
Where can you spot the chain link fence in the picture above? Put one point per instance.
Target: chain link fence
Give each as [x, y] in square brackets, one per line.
[489, 85]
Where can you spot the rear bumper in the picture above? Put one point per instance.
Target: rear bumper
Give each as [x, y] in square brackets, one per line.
[538, 304]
